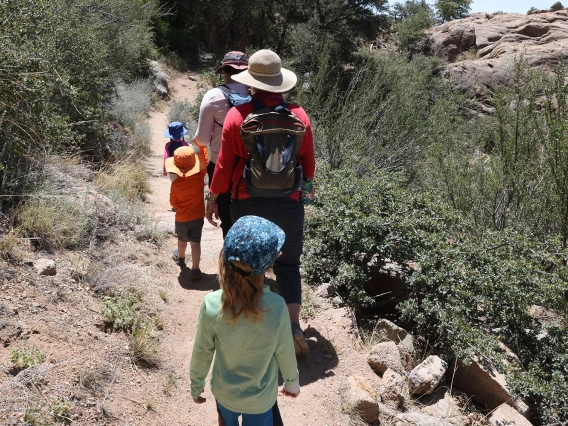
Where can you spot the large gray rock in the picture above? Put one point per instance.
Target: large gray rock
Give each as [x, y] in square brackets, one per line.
[426, 377]
[358, 396]
[481, 381]
[393, 389]
[483, 47]
[45, 266]
[387, 330]
[385, 355]
[160, 79]
[505, 415]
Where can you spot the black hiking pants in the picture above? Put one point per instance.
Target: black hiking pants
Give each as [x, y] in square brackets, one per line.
[288, 214]
[223, 202]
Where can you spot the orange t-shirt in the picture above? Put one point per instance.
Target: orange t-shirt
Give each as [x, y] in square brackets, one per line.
[186, 195]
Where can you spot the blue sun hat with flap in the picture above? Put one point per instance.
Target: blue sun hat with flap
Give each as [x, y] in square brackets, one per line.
[175, 130]
[254, 241]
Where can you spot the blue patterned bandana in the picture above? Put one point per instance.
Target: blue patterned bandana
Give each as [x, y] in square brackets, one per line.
[254, 241]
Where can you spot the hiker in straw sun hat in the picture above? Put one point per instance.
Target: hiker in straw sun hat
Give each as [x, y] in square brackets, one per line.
[269, 80]
[265, 72]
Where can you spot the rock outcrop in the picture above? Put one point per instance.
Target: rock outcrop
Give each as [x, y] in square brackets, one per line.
[482, 48]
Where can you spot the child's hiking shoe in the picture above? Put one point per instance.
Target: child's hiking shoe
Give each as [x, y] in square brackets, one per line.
[196, 274]
[300, 344]
[179, 262]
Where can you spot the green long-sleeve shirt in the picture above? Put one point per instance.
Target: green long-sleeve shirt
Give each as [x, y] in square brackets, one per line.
[247, 355]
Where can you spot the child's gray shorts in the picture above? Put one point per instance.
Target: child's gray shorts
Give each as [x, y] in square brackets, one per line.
[190, 232]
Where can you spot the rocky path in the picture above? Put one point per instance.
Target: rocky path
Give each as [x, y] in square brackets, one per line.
[332, 356]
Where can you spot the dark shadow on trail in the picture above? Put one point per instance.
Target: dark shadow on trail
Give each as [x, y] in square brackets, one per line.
[206, 283]
[321, 360]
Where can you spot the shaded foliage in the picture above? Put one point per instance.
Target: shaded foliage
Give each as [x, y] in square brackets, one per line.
[59, 64]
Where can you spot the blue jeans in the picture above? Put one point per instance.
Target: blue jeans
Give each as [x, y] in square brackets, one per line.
[232, 419]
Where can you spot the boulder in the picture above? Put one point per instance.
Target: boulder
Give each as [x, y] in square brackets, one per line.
[386, 330]
[393, 389]
[385, 355]
[481, 381]
[45, 266]
[497, 40]
[505, 415]
[442, 404]
[160, 80]
[426, 377]
[359, 397]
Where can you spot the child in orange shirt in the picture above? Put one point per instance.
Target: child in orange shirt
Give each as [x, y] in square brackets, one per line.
[187, 171]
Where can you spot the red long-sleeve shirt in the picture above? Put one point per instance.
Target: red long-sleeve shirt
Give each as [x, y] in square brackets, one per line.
[228, 169]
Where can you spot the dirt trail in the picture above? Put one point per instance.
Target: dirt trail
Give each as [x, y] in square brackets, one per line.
[320, 374]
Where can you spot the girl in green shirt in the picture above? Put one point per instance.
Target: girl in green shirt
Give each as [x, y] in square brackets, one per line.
[247, 328]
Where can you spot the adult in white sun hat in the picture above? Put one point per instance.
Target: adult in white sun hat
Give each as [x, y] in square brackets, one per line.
[267, 81]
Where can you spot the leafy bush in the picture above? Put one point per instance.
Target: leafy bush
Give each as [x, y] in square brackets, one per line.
[122, 312]
[59, 67]
[410, 31]
[557, 6]
[133, 101]
[359, 223]
[25, 356]
[127, 179]
[143, 344]
[8, 243]
[511, 172]
[389, 116]
[181, 110]
[469, 291]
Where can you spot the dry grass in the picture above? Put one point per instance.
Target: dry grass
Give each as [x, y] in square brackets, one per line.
[56, 222]
[8, 245]
[308, 308]
[143, 344]
[127, 179]
[95, 379]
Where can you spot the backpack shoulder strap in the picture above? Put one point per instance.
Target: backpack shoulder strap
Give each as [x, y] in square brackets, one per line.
[225, 89]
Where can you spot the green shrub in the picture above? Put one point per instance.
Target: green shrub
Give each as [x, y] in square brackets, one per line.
[8, 243]
[556, 6]
[410, 32]
[474, 290]
[181, 111]
[360, 222]
[133, 101]
[469, 291]
[122, 312]
[127, 179]
[25, 356]
[388, 117]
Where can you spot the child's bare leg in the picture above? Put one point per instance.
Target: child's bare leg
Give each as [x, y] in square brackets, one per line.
[182, 246]
[195, 255]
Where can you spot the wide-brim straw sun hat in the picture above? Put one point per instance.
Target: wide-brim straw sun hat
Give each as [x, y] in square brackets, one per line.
[265, 72]
[185, 162]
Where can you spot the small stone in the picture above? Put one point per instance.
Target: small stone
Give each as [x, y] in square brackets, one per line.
[45, 266]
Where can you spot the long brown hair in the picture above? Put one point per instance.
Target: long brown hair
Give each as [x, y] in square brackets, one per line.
[239, 298]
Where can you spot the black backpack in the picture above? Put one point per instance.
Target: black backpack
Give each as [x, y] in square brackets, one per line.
[272, 136]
